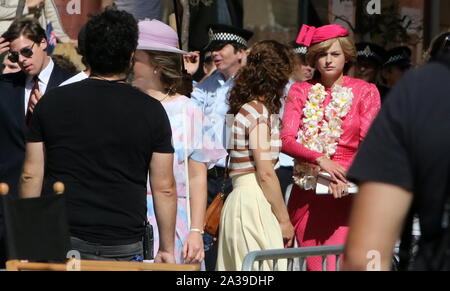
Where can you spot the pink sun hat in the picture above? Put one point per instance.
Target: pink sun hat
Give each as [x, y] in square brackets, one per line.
[155, 35]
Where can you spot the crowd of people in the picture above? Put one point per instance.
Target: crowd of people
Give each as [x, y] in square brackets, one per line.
[137, 141]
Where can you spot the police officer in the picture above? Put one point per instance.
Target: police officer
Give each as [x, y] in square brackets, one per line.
[371, 58]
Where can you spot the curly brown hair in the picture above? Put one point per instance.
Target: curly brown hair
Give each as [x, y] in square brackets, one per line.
[264, 77]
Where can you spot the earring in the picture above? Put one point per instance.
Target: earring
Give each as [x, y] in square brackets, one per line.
[155, 72]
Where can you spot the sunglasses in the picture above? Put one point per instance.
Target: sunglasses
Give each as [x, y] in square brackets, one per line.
[26, 52]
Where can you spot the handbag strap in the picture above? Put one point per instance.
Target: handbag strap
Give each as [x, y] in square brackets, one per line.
[226, 175]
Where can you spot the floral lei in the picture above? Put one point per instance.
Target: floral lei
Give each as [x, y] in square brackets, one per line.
[321, 128]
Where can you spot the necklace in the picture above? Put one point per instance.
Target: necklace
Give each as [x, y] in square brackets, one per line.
[164, 98]
[322, 125]
[322, 128]
[112, 81]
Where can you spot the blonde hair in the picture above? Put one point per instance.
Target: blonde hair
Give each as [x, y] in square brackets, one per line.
[348, 47]
[173, 77]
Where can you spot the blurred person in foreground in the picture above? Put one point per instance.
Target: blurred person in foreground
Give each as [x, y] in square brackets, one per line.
[404, 165]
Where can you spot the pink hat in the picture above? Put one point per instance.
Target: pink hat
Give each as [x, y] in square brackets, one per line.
[155, 35]
[310, 35]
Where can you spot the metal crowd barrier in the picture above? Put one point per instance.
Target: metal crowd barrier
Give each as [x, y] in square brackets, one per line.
[296, 257]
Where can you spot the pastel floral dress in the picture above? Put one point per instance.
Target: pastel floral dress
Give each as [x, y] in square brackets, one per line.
[189, 140]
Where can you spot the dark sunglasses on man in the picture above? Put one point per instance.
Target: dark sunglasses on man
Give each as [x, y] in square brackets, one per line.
[26, 52]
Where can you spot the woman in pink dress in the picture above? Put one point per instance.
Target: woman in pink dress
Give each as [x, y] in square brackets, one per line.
[325, 121]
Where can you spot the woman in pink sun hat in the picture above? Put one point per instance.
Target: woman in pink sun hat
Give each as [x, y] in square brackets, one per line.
[324, 123]
[158, 72]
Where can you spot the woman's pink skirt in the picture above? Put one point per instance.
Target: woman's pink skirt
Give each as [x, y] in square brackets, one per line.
[319, 220]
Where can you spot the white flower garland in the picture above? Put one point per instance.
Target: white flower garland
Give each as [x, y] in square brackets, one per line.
[321, 128]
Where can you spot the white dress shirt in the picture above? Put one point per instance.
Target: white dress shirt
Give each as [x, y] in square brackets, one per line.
[77, 78]
[212, 96]
[44, 78]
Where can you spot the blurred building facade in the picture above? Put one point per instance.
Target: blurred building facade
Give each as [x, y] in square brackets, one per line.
[281, 19]
[421, 20]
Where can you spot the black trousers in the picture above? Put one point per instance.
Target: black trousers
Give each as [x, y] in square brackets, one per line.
[92, 251]
[3, 256]
[215, 183]
[2, 253]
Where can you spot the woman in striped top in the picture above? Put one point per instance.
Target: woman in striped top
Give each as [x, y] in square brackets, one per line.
[254, 216]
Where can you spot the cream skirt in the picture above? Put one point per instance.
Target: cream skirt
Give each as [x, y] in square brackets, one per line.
[247, 224]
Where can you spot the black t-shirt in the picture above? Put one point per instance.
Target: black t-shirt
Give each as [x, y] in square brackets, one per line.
[384, 91]
[99, 138]
[409, 145]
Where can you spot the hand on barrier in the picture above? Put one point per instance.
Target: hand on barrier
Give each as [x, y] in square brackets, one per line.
[165, 257]
[287, 230]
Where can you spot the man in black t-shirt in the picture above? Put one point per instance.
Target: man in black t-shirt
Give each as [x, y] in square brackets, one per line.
[101, 136]
[404, 158]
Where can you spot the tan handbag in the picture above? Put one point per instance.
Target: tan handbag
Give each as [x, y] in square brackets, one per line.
[213, 213]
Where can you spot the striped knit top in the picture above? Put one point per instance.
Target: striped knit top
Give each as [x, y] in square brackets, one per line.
[249, 117]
